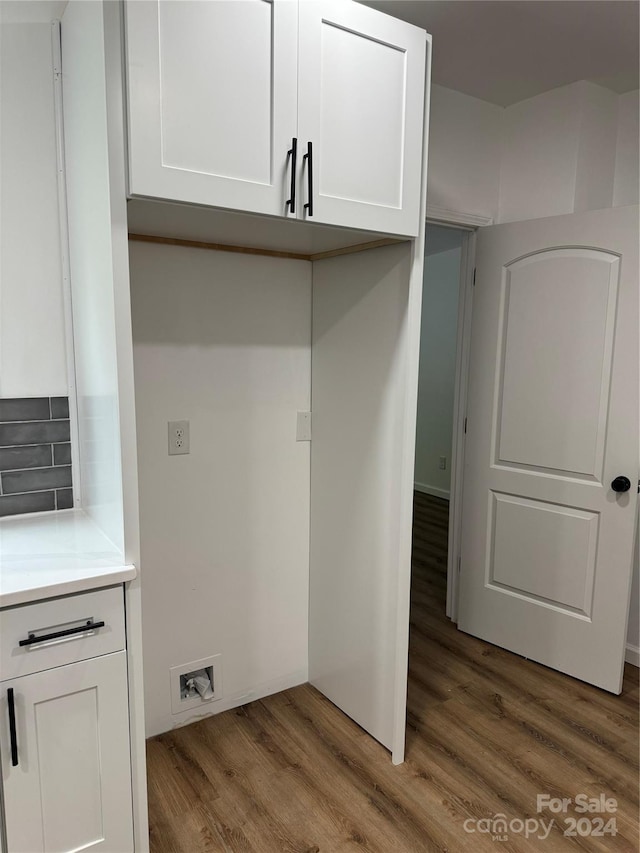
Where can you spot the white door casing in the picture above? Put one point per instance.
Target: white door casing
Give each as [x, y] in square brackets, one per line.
[212, 90]
[361, 104]
[71, 788]
[552, 419]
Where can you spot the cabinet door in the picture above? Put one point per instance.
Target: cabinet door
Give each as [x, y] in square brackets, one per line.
[361, 103]
[212, 89]
[71, 787]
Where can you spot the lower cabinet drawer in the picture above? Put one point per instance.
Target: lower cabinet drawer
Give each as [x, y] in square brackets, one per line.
[59, 631]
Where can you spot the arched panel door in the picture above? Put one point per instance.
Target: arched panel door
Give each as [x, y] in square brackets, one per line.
[551, 462]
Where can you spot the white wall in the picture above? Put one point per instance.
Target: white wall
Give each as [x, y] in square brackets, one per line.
[438, 336]
[558, 153]
[32, 336]
[596, 160]
[539, 152]
[224, 341]
[627, 182]
[569, 149]
[464, 153]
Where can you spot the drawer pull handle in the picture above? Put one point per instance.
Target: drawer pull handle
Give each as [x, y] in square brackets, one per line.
[80, 629]
[309, 158]
[293, 153]
[12, 727]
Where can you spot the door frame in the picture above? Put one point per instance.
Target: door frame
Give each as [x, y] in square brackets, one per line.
[469, 223]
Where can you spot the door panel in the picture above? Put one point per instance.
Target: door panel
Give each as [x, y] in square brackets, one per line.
[361, 104]
[71, 788]
[212, 101]
[529, 538]
[552, 419]
[219, 139]
[373, 180]
[565, 332]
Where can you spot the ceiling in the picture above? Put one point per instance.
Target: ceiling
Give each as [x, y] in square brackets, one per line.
[504, 51]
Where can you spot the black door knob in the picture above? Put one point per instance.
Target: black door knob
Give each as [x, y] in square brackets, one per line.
[621, 484]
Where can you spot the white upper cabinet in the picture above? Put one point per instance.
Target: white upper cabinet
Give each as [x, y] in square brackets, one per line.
[219, 89]
[361, 105]
[212, 87]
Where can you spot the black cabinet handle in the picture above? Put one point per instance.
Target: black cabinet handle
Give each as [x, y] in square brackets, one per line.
[621, 484]
[309, 158]
[293, 153]
[12, 727]
[68, 632]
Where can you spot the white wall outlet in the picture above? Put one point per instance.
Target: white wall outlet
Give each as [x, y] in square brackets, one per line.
[178, 438]
[443, 463]
[303, 431]
[185, 700]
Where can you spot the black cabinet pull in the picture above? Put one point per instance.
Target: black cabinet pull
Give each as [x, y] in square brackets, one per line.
[293, 153]
[12, 727]
[68, 632]
[309, 158]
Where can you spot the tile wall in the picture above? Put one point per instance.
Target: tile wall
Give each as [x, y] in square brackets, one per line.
[35, 455]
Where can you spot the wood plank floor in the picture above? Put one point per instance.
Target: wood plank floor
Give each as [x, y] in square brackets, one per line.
[487, 732]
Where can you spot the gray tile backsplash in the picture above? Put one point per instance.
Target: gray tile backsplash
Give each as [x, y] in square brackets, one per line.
[25, 409]
[61, 454]
[33, 502]
[60, 408]
[64, 498]
[36, 480]
[35, 455]
[33, 432]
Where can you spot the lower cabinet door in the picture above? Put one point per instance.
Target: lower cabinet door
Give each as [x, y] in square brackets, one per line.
[66, 768]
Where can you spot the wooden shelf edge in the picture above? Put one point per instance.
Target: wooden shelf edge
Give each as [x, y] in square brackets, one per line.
[217, 247]
[359, 247]
[269, 253]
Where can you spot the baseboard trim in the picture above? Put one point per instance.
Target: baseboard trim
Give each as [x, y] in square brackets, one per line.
[632, 655]
[432, 490]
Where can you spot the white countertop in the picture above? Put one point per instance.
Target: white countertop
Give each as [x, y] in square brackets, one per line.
[55, 553]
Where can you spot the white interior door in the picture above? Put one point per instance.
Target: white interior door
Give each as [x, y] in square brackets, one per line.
[361, 105]
[71, 786]
[212, 88]
[552, 415]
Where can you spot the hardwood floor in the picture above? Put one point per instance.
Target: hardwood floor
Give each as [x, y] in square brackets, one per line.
[487, 732]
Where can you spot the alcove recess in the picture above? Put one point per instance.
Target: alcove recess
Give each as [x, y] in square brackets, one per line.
[168, 223]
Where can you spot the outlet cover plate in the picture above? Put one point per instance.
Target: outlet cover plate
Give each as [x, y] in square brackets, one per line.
[178, 438]
[303, 426]
[178, 704]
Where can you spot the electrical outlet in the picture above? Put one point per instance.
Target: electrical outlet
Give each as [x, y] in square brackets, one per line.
[443, 463]
[178, 438]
